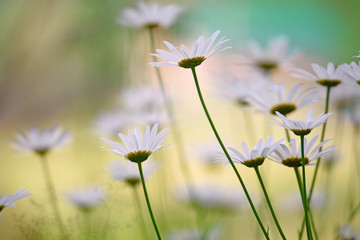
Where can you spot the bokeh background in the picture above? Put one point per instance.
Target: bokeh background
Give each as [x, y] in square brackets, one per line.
[66, 61]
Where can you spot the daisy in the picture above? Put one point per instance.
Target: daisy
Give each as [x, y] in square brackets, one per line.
[213, 196]
[345, 97]
[41, 142]
[268, 101]
[129, 172]
[149, 15]
[110, 123]
[290, 156]
[330, 76]
[192, 234]
[301, 127]
[183, 57]
[351, 70]
[347, 232]
[86, 198]
[8, 200]
[274, 56]
[254, 157]
[135, 147]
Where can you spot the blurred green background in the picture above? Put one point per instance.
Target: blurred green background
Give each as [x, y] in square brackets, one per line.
[63, 62]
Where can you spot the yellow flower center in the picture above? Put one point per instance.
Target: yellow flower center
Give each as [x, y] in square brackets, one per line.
[301, 132]
[191, 62]
[138, 156]
[329, 82]
[132, 181]
[267, 65]
[254, 162]
[283, 108]
[294, 162]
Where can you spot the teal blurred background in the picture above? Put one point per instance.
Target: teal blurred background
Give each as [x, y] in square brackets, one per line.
[63, 62]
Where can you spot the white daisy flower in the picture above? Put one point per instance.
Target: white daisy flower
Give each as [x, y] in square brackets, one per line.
[42, 141]
[86, 198]
[256, 156]
[330, 76]
[112, 122]
[195, 234]
[301, 127]
[213, 196]
[345, 97]
[129, 173]
[355, 114]
[149, 14]
[290, 156]
[351, 70]
[274, 56]
[135, 147]
[181, 56]
[268, 101]
[293, 202]
[238, 90]
[346, 232]
[8, 200]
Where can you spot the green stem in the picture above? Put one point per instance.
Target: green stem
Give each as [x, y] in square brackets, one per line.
[178, 142]
[269, 202]
[287, 135]
[305, 202]
[52, 194]
[138, 206]
[147, 201]
[227, 154]
[321, 139]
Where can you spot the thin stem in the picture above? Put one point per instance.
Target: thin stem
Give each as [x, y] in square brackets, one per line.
[287, 135]
[227, 154]
[178, 142]
[138, 206]
[305, 202]
[321, 139]
[269, 202]
[52, 194]
[147, 201]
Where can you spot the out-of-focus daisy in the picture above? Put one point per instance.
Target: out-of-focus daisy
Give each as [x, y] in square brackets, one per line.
[290, 155]
[8, 200]
[149, 14]
[355, 115]
[274, 56]
[351, 70]
[86, 198]
[301, 127]
[213, 196]
[330, 76]
[292, 201]
[268, 101]
[41, 142]
[135, 147]
[238, 90]
[195, 234]
[345, 97]
[112, 122]
[129, 173]
[255, 157]
[346, 232]
[183, 57]
[206, 152]
[141, 99]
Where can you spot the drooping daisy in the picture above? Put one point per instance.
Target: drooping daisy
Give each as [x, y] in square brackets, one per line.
[351, 70]
[41, 142]
[290, 155]
[268, 101]
[135, 147]
[86, 198]
[183, 57]
[8, 200]
[274, 56]
[301, 127]
[256, 156]
[330, 76]
[149, 14]
[128, 172]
